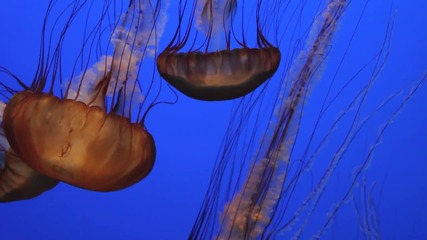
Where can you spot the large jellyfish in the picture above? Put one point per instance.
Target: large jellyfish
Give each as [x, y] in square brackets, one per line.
[85, 137]
[330, 171]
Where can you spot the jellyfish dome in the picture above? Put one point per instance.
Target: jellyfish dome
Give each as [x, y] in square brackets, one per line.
[221, 74]
[76, 143]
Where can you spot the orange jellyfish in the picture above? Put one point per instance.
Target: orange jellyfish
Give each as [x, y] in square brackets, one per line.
[200, 70]
[88, 136]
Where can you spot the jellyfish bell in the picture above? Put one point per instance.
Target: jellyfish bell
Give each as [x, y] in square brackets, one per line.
[222, 74]
[77, 144]
[89, 135]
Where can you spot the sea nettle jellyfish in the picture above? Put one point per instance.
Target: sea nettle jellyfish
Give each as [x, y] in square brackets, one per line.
[267, 189]
[201, 61]
[91, 133]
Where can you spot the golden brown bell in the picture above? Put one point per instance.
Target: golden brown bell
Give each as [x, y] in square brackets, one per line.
[78, 144]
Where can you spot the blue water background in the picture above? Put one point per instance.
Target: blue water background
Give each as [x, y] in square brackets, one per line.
[188, 135]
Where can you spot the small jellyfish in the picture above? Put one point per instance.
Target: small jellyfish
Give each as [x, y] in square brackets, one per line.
[220, 74]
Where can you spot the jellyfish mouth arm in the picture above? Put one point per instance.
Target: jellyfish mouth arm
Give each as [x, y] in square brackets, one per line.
[242, 213]
[250, 211]
[134, 38]
[214, 15]
[219, 75]
[77, 144]
[106, 78]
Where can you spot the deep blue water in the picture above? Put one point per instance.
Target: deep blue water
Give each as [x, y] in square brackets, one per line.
[188, 135]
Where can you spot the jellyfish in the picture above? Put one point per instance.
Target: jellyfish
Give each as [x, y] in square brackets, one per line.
[203, 69]
[86, 135]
